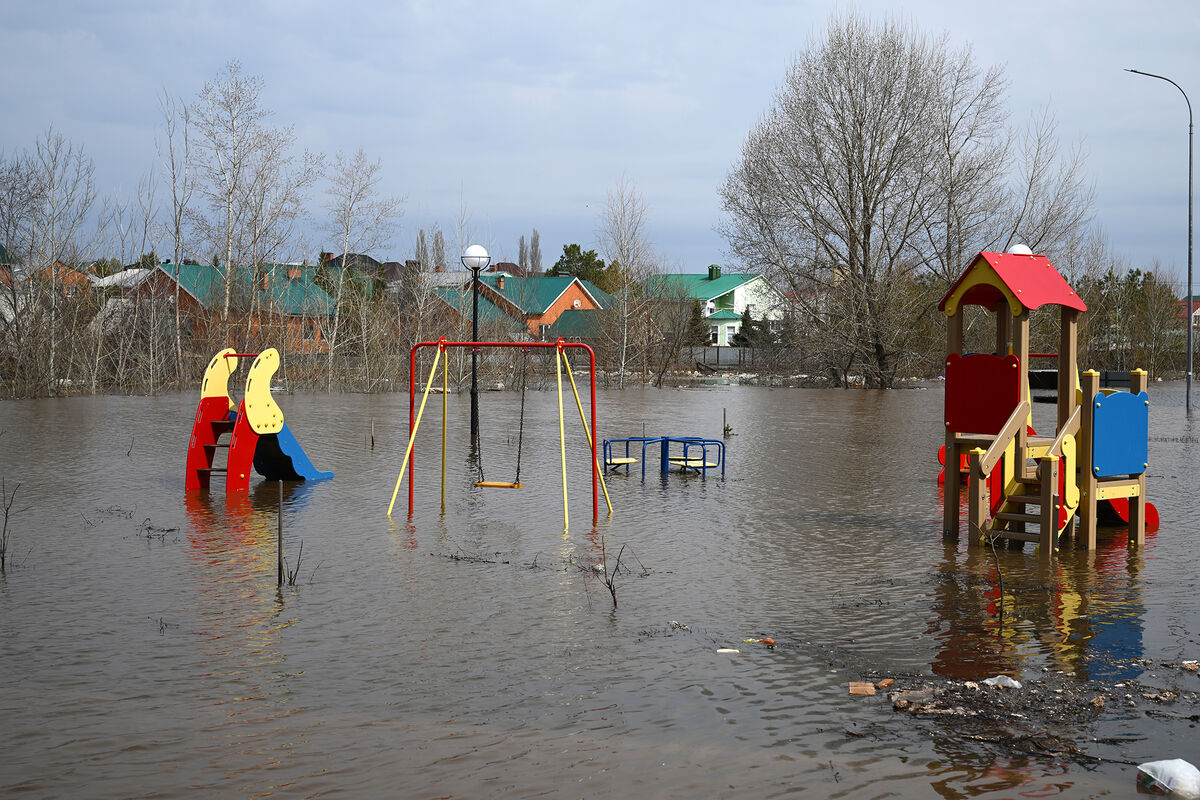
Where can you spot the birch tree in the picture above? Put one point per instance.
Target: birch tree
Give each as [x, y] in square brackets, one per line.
[65, 192]
[624, 243]
[360, 220]
[231, 132]
[175, 153]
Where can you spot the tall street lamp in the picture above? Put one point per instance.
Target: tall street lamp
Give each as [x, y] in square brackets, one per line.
[475, 259]
[1188, 400]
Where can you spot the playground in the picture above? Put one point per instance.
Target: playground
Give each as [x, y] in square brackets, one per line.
[479, 641]
[475, 636]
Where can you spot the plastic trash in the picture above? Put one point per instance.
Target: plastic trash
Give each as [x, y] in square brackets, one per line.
[1173, 776]
[1004, 682]
[728, 650]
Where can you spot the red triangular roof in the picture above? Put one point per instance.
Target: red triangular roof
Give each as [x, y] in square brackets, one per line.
[1031, 279]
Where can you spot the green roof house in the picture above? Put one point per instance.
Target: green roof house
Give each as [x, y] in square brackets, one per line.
[286, 295]
[536, 303]
[723, 298]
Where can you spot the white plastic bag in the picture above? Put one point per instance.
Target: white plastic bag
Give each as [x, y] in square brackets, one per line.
[1173, 776]
[1003, 681]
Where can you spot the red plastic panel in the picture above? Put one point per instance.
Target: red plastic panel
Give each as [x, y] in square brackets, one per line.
[981, 392]
[199, 455]
[241, 453]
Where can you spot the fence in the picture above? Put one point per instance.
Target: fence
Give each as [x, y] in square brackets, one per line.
[720, 358]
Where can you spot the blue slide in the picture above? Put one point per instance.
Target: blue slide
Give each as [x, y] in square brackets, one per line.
[279, 457]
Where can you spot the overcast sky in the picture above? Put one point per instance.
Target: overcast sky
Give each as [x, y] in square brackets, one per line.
[526, 113]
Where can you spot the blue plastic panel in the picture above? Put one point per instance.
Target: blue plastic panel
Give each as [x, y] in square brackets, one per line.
[1121, 440]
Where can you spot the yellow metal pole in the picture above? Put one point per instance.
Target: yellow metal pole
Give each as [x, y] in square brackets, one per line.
[586, 432]
[562, 438]
[445, 392]
[412, 438]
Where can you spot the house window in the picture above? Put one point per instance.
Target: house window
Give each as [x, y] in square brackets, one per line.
[712, 334]
[710, 307]
[310, 331]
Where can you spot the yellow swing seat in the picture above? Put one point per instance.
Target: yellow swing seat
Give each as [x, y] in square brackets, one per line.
[499, 485]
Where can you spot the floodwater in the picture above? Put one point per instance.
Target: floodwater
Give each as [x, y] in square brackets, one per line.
[474, 652]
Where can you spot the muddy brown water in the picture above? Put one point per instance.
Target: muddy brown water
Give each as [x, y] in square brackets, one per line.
[146, 652]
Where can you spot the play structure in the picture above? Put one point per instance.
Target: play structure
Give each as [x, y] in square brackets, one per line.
[689, 453]
[561, 364]
[260, 439]
[1096, 459]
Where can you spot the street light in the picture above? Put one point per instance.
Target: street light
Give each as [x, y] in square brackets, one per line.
[475, 259]
[1188, 400]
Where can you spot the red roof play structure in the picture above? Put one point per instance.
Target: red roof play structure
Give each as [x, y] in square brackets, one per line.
[1025, 280]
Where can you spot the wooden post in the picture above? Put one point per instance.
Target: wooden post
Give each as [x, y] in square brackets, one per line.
[952, 483]
[1138, 381]
[954, 332]
[1021, 351]
[279, 565]
[977, 505]
[1067, 367]
[1090, 382]
[1049, 521]
[1003, 328]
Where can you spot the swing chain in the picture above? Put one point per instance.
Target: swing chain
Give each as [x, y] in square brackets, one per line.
[521, 423]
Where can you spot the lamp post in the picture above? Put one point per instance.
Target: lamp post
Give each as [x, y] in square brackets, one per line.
[1188, 397]
[475, 259]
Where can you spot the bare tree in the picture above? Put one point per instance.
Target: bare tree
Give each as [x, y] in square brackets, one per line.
[523, 255]
[535, 254]
[18, 200]
[624, 243]
[969, 161]
[176, 156]
[359, 218]
[422, 252]
[231, 132]
[1052, 200]
[66, 194]
[439, 249]
[884, 155]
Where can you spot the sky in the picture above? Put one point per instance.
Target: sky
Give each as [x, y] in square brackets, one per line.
[525, 114]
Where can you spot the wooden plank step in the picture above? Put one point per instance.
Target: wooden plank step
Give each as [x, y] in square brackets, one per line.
[1019, 536]
[1013, 516]
[216, 445]
[613, 462]
[1024, 499]
[212, 469]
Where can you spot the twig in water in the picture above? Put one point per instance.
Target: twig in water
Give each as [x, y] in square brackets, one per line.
[991, 540]
[292, 573]
[7, 499]
[610, 578]
[130, 451]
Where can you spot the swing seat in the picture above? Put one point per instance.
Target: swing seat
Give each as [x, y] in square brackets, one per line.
[499, 485]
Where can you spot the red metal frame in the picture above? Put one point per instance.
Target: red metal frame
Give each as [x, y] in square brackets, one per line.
[558, 345]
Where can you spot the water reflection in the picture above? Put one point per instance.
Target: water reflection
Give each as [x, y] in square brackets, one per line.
[241, 685]
[1084, 611]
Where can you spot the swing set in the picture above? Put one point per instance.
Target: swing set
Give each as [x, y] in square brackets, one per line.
[415, 414]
